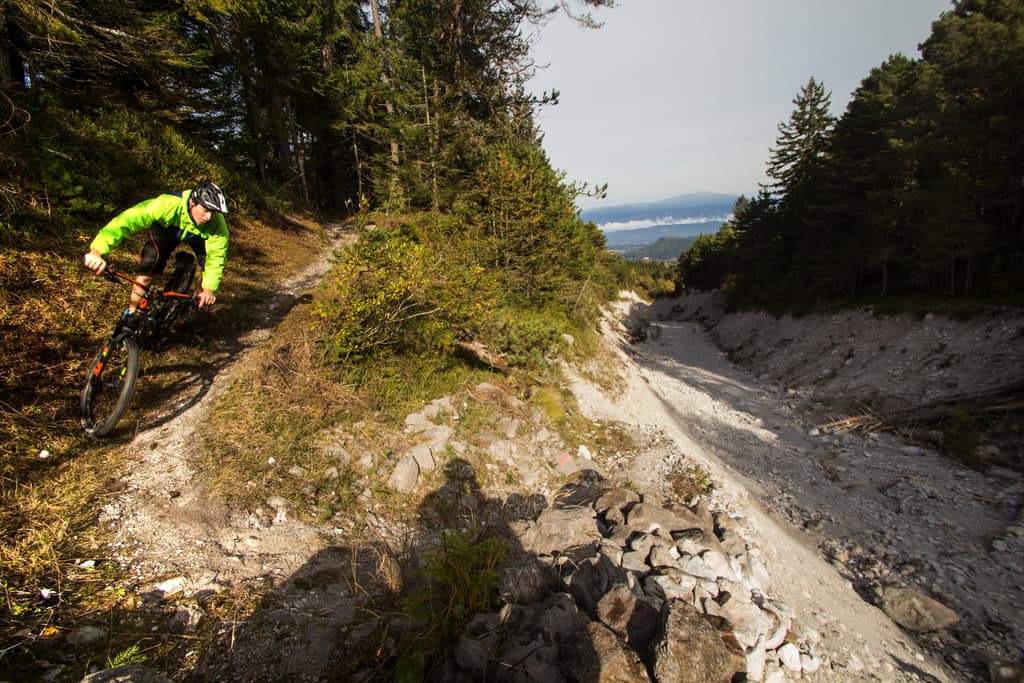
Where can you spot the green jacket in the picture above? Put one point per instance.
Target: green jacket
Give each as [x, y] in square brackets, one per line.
[170, 211]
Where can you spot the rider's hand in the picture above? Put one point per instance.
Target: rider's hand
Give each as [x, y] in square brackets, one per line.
[93, 260]
[206, 298]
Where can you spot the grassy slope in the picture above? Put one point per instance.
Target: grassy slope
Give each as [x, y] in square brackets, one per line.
[53, 316]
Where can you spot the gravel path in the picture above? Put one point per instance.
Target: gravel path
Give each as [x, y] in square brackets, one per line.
[883, 512]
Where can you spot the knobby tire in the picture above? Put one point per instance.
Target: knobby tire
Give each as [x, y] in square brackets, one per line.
[109, 385]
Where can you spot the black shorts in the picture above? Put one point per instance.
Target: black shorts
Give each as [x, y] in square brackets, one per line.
[160, 243]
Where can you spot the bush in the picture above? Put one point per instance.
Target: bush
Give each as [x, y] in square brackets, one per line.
[395, 292]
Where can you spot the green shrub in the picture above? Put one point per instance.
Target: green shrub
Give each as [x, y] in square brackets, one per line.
[525, 336]
[395, 292]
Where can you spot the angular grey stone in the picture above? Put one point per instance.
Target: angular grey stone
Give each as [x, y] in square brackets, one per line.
[695, 566]
[719, 564]
[424, 457]
[667, 588]
[404, 476]
[633, 620]
[560, 528]
[562, 621]
[602, 657]
[789, 655]
[748, 622]
[617, 499]
[471, 656]
[756, 657]
[663, 557]
[591, 579]
[635, 561]
[655, 519]
[614, 517]
[915, 611]
[642, 543]
[525, 581]
[689, 649]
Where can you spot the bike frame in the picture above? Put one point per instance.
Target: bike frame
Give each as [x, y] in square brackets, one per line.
[150, 294]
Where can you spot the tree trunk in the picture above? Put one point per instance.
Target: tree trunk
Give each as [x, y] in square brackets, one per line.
[434, 137]
[297, 144]
[378, 31]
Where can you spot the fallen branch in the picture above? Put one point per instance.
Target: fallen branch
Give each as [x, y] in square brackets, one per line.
[483, 355]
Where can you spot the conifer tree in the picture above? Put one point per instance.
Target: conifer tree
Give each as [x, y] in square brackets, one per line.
[802, 145]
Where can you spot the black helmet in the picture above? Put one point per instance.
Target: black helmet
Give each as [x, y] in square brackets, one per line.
[210, 196]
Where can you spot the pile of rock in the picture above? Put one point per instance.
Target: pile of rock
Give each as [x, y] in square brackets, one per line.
[617, 584]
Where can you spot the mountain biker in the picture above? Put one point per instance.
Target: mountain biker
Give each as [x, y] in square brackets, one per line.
[194, 217]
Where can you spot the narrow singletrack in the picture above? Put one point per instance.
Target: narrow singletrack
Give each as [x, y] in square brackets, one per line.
[163, 523]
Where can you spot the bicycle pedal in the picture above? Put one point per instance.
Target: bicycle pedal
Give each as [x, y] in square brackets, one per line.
[130, 321]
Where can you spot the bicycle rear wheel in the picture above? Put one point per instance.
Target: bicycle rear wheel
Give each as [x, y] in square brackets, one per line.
[109, 385]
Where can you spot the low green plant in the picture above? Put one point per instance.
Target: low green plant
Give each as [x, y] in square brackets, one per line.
[691, 482]
[126, 657]
[458, 580]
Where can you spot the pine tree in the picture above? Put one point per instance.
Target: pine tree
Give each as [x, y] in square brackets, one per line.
[802, 145]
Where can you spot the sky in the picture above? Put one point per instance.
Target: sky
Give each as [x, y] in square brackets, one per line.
[671, 97]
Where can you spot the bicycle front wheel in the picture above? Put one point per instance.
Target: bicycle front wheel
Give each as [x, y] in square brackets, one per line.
[109, 385]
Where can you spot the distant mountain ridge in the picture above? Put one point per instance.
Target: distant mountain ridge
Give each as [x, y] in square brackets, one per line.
[631, 226]
[685, 206]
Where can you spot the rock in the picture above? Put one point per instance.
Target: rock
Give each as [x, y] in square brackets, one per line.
[695, 566]
[656, 519]
[86, 635]
[789, 655]
[557, 529]
[610, 585]
[915, 611]
[688, 649]
[524, 582]
[809, 664]
[424, 457]
[471, 656]
[417, 422]
[591, 580]
[756, 662]
[404, 476]
[667, 587]
[599, 656]
[632, 620]
[619, 499]
[562, 621]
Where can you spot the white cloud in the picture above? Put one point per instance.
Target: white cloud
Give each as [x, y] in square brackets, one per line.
[667, 220]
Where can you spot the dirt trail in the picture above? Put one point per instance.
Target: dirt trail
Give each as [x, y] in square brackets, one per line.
[886, 512]
[164, 524]
[707, 408]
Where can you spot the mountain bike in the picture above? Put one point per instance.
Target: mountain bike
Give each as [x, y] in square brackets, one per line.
[111, 379]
